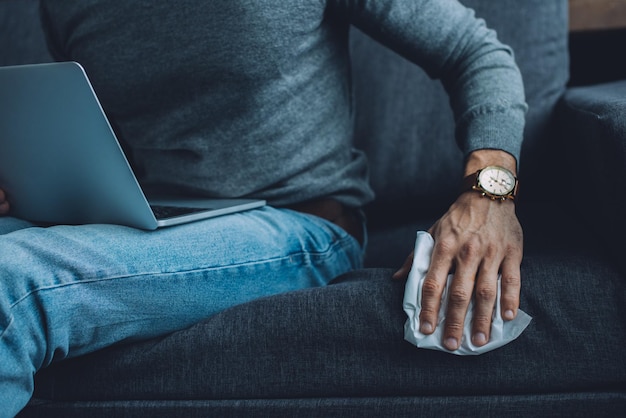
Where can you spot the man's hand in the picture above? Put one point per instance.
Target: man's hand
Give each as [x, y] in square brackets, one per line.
[475, 240]
[4, 204]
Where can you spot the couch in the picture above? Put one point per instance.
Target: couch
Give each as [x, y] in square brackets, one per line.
[338, 351]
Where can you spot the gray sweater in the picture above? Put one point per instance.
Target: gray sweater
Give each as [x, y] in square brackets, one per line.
[252, 98]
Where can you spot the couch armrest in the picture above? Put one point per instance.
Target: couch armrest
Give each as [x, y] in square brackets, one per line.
[592, 125]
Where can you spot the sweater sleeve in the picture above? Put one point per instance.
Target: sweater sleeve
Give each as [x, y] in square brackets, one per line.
[446, 39]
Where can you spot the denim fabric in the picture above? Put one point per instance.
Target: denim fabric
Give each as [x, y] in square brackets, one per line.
[9, 224]
[69, 290]
[346, 340]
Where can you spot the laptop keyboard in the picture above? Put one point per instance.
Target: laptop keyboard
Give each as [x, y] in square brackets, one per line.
[164, 212]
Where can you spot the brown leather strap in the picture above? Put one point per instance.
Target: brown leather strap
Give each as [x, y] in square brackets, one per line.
[469, 182]
[335, 212]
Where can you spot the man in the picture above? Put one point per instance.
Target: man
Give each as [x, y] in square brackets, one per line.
[252, 99]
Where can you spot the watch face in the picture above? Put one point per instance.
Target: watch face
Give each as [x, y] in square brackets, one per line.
[497, 181]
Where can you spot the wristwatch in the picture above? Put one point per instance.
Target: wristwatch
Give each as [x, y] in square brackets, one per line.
[494, 182]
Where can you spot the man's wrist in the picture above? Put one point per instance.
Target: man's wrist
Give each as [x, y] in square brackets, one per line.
[480, 159]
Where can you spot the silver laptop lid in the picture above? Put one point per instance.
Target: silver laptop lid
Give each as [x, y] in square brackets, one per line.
[59, 159]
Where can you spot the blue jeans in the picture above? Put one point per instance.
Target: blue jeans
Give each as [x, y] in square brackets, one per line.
[69, 290]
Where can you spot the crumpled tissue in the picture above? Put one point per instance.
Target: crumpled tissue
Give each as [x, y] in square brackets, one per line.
[502, 332]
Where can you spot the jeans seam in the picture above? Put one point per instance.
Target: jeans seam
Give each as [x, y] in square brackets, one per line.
[306, 255]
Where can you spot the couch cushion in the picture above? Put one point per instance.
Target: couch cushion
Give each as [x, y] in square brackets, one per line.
[574, 404]
[346, 340]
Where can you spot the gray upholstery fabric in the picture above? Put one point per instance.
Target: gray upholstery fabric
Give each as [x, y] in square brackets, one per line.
[593, 136]
[346, 340]
[557, 405]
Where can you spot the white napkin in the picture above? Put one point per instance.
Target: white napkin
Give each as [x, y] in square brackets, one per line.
[502, 332]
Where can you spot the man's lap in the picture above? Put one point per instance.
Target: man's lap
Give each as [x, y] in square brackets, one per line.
[96, 277]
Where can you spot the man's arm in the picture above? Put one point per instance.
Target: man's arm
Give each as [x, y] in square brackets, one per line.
[451, 44]
[476, 239]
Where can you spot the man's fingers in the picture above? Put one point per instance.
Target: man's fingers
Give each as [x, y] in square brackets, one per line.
[459, 296]
[485, 294]
[432, 289]
[510, 288]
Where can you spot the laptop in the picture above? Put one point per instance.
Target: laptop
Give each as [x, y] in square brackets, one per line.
[61, 163]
